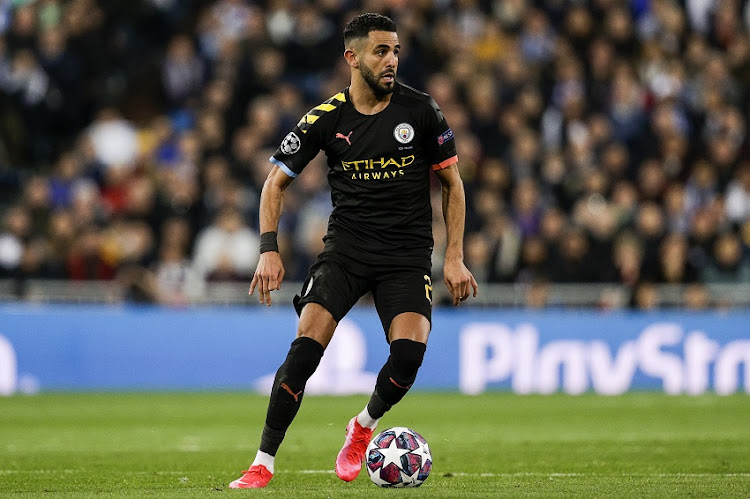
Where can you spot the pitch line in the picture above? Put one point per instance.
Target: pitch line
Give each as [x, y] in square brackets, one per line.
[445, 474]
[595, 475]
[448, 474]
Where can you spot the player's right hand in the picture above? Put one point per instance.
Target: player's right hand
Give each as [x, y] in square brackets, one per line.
[268, 276]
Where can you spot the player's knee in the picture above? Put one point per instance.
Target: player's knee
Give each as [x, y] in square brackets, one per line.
[405, 360]
[303, 359]
[316, 323]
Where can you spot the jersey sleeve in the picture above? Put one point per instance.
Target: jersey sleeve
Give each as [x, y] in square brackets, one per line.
[303, 143]
[298, 148]
[439, 141]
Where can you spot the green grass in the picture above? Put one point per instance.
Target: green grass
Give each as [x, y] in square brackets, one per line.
[495, 445]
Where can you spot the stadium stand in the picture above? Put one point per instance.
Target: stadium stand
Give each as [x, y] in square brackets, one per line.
[603, 144]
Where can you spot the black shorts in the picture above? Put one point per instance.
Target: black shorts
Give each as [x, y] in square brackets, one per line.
[337, 281]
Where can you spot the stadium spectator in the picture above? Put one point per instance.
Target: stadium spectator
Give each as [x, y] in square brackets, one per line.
[728, 263]
[61, 235]
[574, 262]
[628, 259]
[27, 83]
[534, 262]
[16, 229]
[696, 297]
[738, 196]
[646, 296]
[37, 201]
[176, 278]
[537, 295]
[64, 69]
[86, 260]
[227, 249]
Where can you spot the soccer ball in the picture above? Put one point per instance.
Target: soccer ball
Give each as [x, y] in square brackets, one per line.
[398, 457]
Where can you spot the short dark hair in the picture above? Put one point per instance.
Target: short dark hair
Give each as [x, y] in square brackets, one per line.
[361, 26]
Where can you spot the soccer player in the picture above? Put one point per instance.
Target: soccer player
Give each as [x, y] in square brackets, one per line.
[382, 139]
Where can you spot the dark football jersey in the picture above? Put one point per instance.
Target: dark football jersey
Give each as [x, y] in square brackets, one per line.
[378, 169]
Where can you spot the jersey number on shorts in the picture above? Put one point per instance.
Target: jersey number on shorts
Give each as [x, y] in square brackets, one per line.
[428, 288]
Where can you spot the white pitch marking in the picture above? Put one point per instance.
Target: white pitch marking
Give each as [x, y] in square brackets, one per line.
[553, 475]
[455, 474]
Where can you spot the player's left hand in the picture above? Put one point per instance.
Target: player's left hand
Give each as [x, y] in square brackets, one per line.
[459, 280]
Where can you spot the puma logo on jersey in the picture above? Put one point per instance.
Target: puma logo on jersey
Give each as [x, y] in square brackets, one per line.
[345, 137]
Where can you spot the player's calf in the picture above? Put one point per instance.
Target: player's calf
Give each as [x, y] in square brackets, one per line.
[288, 388]
[286, 395]
[396, 376]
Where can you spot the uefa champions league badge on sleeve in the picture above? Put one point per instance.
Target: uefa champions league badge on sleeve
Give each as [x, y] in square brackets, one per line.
[290, 144]
[404, 133]
[445, 137]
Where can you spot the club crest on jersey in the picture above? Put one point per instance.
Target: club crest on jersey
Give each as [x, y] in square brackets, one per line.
[290, 144]
[404, 133]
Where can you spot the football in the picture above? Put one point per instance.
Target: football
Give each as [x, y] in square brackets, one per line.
[398, 457]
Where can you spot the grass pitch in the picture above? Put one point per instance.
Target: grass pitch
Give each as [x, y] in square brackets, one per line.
[494, 445]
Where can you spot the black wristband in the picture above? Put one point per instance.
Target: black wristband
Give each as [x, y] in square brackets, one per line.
[268, 242]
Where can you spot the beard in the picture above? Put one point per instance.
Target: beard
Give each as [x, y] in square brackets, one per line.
[373, 81]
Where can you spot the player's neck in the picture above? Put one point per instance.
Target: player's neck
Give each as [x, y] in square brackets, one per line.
[365, 100]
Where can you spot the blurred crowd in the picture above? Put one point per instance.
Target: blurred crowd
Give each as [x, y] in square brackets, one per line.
[599, 140]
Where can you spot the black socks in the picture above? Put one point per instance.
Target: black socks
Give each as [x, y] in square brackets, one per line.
[288, 387]
[394, 380]
[396, 376]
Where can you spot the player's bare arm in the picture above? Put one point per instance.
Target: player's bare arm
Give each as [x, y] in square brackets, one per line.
[270, 271]
[456, 276]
